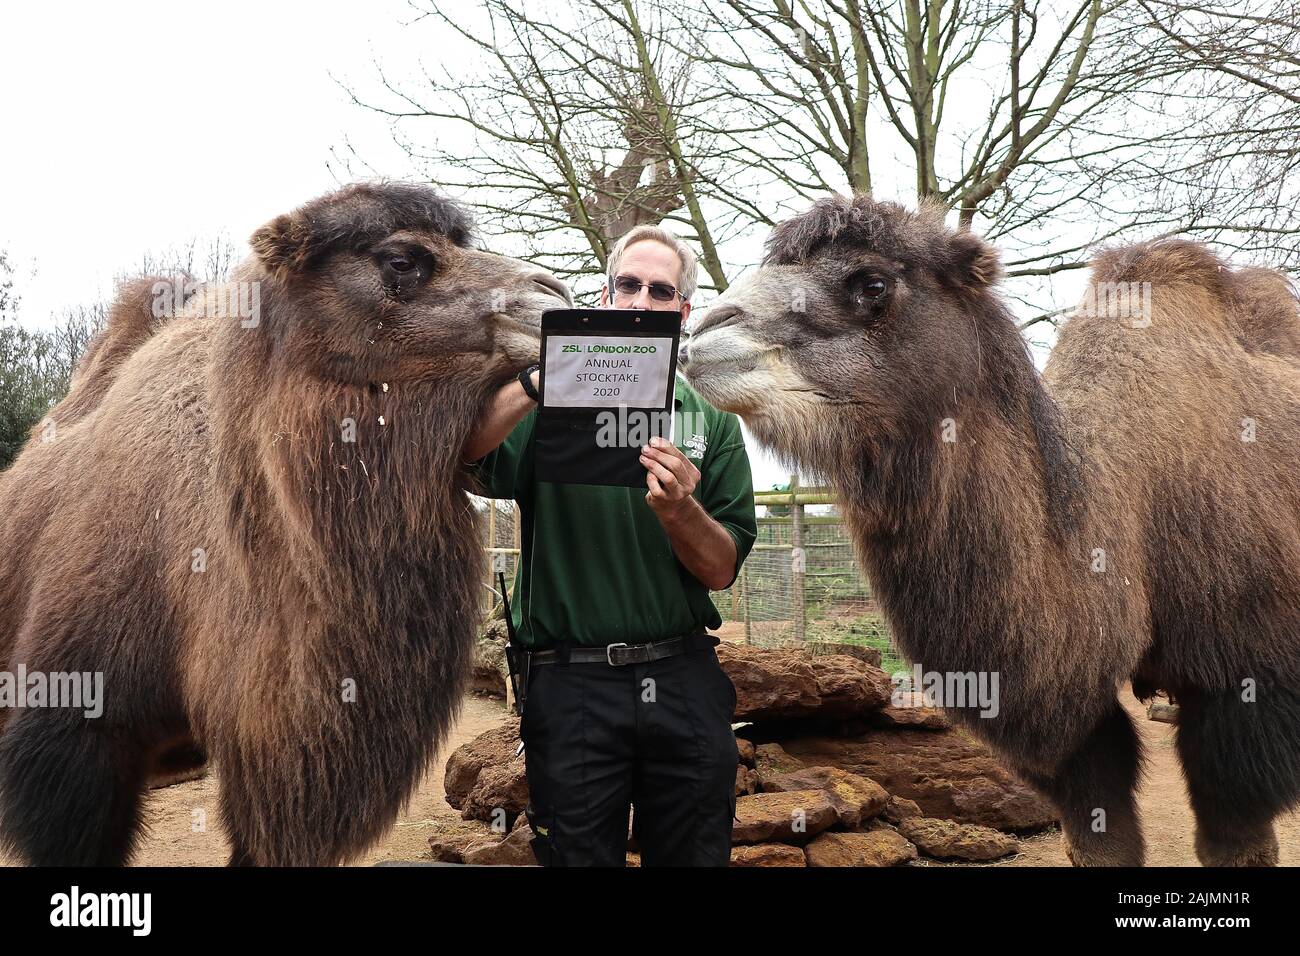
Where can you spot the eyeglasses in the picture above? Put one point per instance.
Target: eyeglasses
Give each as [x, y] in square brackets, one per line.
[632, 286]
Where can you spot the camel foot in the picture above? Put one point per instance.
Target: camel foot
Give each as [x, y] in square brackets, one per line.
[1261, 850]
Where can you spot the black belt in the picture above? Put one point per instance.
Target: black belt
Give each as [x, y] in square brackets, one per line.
[620, 655]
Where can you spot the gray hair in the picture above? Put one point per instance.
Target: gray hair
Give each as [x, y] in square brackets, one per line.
[689, 280]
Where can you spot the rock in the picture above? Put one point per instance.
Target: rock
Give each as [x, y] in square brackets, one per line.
[793, 817]
[451, 847]
[948, 774]
[515, 850]
[768, 854]
[916, 716]
[747, 781]
[877, 848]
[771, 759]
[493, 748]
[785, 683]
[745, 751]
[900, 808]
[854, 797]
[875, 823]
[963, 841]
[490, 673]
[497, 789]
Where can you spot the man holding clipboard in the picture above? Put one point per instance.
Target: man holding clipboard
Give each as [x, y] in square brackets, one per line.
[626, 704]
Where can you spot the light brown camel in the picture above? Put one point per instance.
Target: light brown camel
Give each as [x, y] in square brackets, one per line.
[1137, 518]
[258, 532]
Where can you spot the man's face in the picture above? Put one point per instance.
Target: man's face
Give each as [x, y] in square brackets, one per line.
[648, 261]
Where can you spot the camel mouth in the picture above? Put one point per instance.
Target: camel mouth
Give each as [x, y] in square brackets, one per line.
[736, 384]
[729, 366]
[531, 327]
[725, 349]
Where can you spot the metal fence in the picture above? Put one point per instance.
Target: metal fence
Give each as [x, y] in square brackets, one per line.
[800, 584]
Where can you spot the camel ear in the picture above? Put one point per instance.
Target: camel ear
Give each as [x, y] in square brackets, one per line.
[282, 245]
[975, 263]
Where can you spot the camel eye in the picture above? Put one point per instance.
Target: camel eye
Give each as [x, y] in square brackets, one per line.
[867, 290]
[404, 269]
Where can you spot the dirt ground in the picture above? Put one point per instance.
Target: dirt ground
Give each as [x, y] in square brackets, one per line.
[1167, 820]
[176, 839]
[184, 829]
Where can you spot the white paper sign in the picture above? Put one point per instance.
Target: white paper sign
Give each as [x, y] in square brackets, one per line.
[594, 371]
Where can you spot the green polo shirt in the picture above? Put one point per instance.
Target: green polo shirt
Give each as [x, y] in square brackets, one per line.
[596, 566]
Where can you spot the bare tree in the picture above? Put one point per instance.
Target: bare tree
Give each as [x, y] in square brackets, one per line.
[36, 366]
[1241, 59]
[1048, 127]
[585, 122]
[207, 260]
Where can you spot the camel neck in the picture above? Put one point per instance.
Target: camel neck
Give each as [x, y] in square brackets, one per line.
[950, 531]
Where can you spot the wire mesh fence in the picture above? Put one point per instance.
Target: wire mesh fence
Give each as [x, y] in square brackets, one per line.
[801, 583]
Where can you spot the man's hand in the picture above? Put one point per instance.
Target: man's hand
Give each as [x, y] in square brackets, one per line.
[702, 545]
[670, 476]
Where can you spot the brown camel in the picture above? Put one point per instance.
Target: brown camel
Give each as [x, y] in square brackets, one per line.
[258, 532]
[1136, 519]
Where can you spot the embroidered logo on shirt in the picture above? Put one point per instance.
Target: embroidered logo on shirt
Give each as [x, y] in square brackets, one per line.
[696, 446]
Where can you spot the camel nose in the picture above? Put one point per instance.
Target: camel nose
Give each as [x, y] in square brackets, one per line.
[683, 350]
[552, 285]
[717, 315]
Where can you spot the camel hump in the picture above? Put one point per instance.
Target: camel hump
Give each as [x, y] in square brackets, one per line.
[1268, 309]
[140, 307]
[1161, 262]
[1259, 306]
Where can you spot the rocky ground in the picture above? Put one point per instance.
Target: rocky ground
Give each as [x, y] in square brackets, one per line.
[828, 773]
[871, 784]
[875, 786]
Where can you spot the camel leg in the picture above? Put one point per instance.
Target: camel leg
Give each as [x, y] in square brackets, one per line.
[274, 823]
[236, 814]
[69, 794]
[240, 857]
[1241, 759]
[1094, 792]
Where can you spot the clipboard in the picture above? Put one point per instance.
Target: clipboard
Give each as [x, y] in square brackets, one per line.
[601, 405]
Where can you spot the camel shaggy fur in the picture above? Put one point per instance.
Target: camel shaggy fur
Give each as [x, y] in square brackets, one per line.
[258, 532]
[1134, 515]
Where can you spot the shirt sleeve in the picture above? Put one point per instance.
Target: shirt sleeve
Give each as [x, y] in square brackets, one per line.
[505, 471]
[727, 489]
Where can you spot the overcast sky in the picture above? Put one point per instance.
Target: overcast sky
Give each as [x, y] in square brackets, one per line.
[134, 129]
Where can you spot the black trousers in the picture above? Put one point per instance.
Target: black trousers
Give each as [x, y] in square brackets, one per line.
[655, 738]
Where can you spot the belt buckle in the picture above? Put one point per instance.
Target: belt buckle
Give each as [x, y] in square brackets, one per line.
[609, 653]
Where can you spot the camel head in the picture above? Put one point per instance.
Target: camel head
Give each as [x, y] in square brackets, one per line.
[860, 326]
[381, 282]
